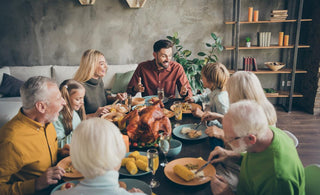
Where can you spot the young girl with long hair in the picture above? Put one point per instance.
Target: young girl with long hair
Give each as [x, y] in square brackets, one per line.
[73, 113]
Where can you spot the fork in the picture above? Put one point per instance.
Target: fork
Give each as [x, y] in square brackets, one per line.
[198, 125]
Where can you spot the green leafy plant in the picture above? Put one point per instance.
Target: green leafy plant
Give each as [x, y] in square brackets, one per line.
[248, 39]
[192, 67]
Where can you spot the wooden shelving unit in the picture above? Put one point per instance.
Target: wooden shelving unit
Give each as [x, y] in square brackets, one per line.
[267, 21]
[283, 94]
[291, 70]
[270, 47]
[268, 71]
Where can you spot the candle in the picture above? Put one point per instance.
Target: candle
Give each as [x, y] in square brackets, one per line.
[256, 15]
[250, 12]
[280, 42]
[286, 40]
[126, 141]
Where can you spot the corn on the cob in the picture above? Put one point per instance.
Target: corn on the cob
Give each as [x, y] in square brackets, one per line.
[183, 172]
[125, 160]
[134, 154]
[143, 166]
[131, 167]
[143, 158]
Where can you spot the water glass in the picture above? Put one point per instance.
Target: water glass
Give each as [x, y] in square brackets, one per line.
[177, 105]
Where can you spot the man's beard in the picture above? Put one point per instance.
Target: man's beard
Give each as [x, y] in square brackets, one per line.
[162, 64]
[241, 148]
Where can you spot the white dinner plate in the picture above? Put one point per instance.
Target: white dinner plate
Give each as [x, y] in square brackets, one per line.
[147, 98]
[177, 131]
[58, 187]
[134, 183]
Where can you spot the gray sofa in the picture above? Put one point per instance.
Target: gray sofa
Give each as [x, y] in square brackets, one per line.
[9, 106]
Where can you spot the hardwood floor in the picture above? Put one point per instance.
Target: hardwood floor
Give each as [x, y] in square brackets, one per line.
[306, 127]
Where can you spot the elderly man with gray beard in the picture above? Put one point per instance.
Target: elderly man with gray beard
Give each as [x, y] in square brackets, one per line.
[28, 142]
[270, 165]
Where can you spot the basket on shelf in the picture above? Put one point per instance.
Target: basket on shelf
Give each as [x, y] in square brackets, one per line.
[275, 66]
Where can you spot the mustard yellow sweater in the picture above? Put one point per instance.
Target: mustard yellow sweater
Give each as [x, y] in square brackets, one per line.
[27, 150]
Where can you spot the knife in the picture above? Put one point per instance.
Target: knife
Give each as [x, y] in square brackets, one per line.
[201, 168]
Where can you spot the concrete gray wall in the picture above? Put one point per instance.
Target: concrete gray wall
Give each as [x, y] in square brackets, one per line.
[58, 31]
[44, 32]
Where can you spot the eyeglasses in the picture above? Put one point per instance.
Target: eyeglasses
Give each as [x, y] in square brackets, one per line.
[234, 139]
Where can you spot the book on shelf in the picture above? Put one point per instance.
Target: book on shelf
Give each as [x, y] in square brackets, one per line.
[277, 18]
[249, 64]
[279, 15]
[264, 39]
[268, 35]
[279, 11]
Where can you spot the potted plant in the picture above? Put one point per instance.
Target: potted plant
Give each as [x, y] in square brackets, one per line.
[192, 67]
[248, 41]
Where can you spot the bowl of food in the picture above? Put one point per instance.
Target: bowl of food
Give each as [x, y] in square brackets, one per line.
[275, 66]
[175, 148]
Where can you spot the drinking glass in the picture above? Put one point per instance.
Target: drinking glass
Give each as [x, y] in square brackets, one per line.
[164, 146]
[153, 161]
[160, 94]
[177, 105]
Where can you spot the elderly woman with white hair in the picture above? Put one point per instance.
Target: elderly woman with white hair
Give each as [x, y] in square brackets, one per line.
[242, 85]
[97, 149]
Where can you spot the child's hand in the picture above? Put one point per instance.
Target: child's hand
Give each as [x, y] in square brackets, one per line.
[188, 99]
[197, 112]
[122, 96]
[209, 116]
[101, 111]
[214, 131]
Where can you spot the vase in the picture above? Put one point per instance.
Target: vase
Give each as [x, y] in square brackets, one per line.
[248, 44]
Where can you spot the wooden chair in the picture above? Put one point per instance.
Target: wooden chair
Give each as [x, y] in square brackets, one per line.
[312, 174]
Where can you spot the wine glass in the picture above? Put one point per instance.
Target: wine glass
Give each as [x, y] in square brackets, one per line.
[160, 94]
[164, 146]
[153, 159]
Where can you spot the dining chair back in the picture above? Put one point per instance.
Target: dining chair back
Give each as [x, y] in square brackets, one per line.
[312, 175]
[293, 137]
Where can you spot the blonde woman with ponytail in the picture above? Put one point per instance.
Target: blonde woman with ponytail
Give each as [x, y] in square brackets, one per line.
[72, 113]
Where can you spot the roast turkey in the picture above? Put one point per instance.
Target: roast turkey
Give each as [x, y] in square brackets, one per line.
[144, 126]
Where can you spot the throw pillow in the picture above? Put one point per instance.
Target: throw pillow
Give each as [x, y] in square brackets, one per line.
[10, 86]
[121, 82]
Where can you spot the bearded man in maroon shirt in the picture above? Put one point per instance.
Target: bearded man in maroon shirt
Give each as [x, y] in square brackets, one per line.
[160, 72]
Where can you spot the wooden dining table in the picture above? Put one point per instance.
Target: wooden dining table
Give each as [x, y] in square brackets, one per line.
[190, 148]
